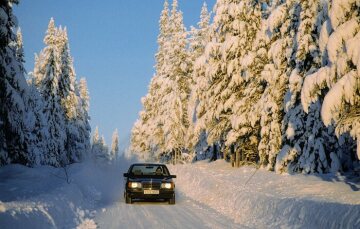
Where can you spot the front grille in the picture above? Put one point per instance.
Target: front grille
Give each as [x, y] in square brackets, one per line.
[149, 185]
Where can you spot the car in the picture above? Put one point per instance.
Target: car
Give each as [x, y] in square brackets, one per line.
[147, 181]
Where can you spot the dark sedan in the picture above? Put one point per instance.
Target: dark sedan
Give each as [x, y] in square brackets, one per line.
[149, 181]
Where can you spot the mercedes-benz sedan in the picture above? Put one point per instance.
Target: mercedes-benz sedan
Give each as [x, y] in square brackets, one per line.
[149, 181]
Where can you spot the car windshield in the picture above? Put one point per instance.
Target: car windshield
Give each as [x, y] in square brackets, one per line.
[149, 170]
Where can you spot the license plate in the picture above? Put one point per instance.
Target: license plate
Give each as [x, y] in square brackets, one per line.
[151, 192]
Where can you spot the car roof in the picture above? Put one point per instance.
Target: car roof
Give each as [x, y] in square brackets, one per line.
[148, 164]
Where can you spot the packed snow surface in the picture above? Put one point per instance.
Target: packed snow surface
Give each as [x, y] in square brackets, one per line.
[209, 195]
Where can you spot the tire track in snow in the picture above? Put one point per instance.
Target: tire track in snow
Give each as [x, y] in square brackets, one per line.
[187, 213]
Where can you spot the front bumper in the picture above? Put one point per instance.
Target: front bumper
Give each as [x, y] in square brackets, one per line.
[139, 194]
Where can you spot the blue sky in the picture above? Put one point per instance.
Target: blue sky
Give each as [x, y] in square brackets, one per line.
[113, 43]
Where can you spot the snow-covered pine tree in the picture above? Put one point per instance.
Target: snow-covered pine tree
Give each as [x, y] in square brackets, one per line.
[37, 134]
[35, 127]
[95, 141]
[199, 37]
[137, 146]
[276, 39]
[83, 117]
[98, 148]
[235, 26]
[306, 138]
[319, 141]
[13, 92]
[114, 152]
[244, 88]
[38, 72]
[48, 85]
[147, 133]
[163, 121]
[154, 116]
[211, 115]
[175, 101]
[69, 98]
[104, 149]
[339, 40]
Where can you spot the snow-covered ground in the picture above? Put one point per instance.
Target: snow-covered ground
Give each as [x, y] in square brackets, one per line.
[209, 195]
[270, 200]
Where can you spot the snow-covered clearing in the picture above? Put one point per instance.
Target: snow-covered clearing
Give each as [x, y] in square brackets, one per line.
[209, 195]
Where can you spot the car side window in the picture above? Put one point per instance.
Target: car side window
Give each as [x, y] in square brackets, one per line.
[165, 171]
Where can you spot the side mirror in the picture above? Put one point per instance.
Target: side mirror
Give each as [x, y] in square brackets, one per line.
[173, 176]
[126, 175]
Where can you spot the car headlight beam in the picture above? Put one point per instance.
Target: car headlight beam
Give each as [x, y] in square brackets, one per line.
[166, 185]
[135, 185]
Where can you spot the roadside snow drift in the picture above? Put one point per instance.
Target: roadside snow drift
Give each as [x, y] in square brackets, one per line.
[271, 200]
[42, 198]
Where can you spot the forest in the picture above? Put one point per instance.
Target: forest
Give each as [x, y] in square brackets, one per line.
[44, 114]
[275, 83]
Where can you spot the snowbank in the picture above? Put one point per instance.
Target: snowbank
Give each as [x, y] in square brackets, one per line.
[270, 200]
[42, 198]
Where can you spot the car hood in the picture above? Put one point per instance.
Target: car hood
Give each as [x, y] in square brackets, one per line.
[150, 179]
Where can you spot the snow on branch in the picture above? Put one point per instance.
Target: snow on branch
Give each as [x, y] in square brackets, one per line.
[276, 18]
[343, 33]
[339, 9]
[343, 91]
[312, 86]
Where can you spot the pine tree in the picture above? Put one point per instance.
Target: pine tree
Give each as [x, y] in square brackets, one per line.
[279, 29]
[244, 87]
[234, 29]
[104, 149]
[164, 120]
[96, 149]
[147, 134]
[213, 118]
[83, 118]
[138, 141]
[37, 127]
[99, 148]
[114, 152]
[175, 101]
[196, 139]
[339, 37]
[38, 71]
[50, 70]
[69, 99]
[304, 134]
[13, 92]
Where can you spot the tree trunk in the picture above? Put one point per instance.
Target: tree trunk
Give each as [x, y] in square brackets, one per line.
[238, 158]
[173, 156]
[232, 155]
[214, 155]
[176, 154]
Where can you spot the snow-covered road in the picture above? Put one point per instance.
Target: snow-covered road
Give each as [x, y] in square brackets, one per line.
[186, 213]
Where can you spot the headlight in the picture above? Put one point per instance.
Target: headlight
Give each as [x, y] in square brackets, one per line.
[135, 185]
[167, 185]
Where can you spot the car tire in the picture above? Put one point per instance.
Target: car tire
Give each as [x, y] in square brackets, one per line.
[172, 200]
[128, 199]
